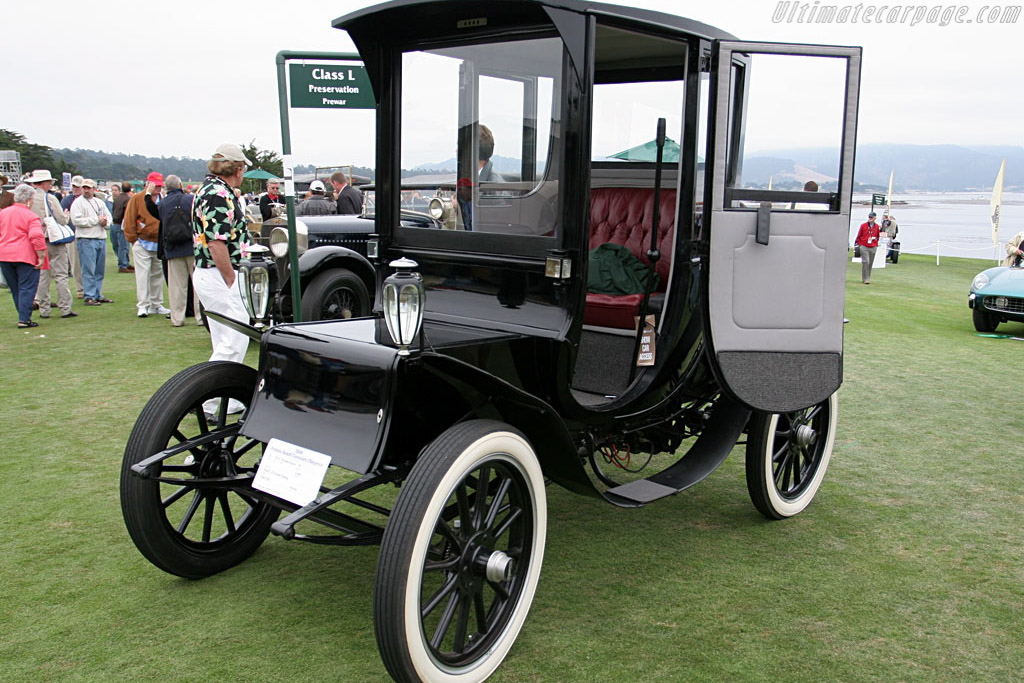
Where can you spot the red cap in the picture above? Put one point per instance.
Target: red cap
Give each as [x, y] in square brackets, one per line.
[155, 178]
[464, 182]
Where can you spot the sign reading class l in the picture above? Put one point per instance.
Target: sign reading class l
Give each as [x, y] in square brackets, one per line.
[330, 86]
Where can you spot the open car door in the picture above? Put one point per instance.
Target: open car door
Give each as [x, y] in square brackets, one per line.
[775, 282]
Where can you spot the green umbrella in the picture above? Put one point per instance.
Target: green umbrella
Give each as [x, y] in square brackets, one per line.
[260, 174]
[649, 152]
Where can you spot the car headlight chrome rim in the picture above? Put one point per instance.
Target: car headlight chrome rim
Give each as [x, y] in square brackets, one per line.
[279, 239]
[439, 208]
[980, 280]
[279, 242]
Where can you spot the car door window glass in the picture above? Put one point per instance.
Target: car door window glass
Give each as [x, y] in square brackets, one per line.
[792, 135]
[478, 123]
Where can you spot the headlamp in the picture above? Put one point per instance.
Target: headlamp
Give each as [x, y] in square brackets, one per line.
[254, 283]
[403, 303]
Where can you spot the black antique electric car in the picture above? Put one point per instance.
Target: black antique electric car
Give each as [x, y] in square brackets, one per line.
[489, 366]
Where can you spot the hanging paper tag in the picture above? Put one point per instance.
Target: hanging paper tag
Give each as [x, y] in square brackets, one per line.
[646, 356]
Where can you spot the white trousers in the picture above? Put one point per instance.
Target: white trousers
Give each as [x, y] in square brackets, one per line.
[149, 279]
[217, 297]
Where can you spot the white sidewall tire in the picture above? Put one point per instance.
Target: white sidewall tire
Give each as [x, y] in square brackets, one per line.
[788, 508]
[493, 446]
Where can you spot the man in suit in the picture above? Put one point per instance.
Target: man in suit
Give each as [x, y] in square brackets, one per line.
[350, 200]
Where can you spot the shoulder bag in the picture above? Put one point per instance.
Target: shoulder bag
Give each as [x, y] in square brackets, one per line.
[55, 232]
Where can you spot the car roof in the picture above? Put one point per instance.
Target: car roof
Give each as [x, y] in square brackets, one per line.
[634, 14]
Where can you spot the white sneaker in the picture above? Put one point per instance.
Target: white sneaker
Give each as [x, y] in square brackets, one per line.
[159, 310]
[212, 408]
[142, 314]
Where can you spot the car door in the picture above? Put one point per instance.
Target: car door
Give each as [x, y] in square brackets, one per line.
[775, 281]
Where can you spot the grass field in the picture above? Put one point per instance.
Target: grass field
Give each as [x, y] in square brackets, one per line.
[909, 565]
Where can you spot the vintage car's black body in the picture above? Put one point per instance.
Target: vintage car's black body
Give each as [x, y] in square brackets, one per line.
[517, 374]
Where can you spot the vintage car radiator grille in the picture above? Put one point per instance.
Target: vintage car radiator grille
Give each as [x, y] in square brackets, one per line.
[1005, 304]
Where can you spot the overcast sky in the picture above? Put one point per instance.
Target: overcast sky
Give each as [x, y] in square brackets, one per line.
[177, 79]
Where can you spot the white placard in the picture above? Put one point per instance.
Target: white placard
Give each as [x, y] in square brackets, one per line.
[289, 187]
[291, 472]
[287, 166]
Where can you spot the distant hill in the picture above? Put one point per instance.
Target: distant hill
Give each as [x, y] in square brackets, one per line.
[941, 168]
[501, 165]
[107, 166]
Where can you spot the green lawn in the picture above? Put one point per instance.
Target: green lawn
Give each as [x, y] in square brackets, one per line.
[908, 566]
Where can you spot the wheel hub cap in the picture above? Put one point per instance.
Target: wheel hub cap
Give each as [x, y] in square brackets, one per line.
[480, 559]
[806, 435]
[499, 567]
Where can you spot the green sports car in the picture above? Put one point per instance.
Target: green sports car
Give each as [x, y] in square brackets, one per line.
[997, 296]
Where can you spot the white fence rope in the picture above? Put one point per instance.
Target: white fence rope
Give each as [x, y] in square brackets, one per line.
[937, 248]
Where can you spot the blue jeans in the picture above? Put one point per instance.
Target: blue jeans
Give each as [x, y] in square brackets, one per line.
[23, 279]
[92, 256]
[120, 245]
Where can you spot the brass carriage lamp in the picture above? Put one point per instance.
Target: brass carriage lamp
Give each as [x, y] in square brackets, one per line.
[254, 283]
[403, 303]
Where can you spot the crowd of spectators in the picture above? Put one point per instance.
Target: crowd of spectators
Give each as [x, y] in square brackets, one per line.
[37, 259]
[157, 232]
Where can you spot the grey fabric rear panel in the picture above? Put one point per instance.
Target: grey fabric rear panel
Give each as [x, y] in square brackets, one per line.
[603, 363]
[781, 382]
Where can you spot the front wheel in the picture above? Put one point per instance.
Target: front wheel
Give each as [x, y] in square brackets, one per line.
[179, 520]
[461, 555]
[984, 321]
[335, 294]
[787, 455]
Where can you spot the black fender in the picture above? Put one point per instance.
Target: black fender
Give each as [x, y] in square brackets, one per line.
[323, 387]
[320, 259]
[460, 391]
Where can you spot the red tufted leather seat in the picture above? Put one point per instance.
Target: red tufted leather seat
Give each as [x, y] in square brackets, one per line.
[623, 216]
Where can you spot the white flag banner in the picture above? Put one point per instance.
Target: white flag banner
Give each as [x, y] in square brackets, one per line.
[888, 195]
[994, 205]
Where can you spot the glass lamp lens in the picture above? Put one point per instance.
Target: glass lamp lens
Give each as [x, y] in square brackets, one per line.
[259, 292]
[409, 312]
[403, 311]
[243, 290]
[436, 208]
[279, 242]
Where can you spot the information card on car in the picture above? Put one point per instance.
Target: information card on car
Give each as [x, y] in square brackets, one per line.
[291, 472]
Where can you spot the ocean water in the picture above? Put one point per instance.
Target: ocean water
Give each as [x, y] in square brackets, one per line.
[955, 223]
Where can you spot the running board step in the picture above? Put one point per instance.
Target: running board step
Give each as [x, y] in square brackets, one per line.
[703, 458]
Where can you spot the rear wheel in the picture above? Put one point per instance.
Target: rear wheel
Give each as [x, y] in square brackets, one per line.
[182, 524]
[461, 555]
[984, 321]
[335, 294]
[787, 455]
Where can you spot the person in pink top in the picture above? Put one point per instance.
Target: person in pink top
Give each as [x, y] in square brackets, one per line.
[22, 252]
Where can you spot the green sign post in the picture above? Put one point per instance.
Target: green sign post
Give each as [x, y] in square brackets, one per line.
[877, 200]
[330, 86]
[320, 86]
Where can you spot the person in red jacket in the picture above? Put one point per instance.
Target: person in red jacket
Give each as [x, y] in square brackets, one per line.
[867, 240]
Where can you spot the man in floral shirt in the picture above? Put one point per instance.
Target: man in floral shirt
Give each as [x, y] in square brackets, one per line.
[219, 233]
